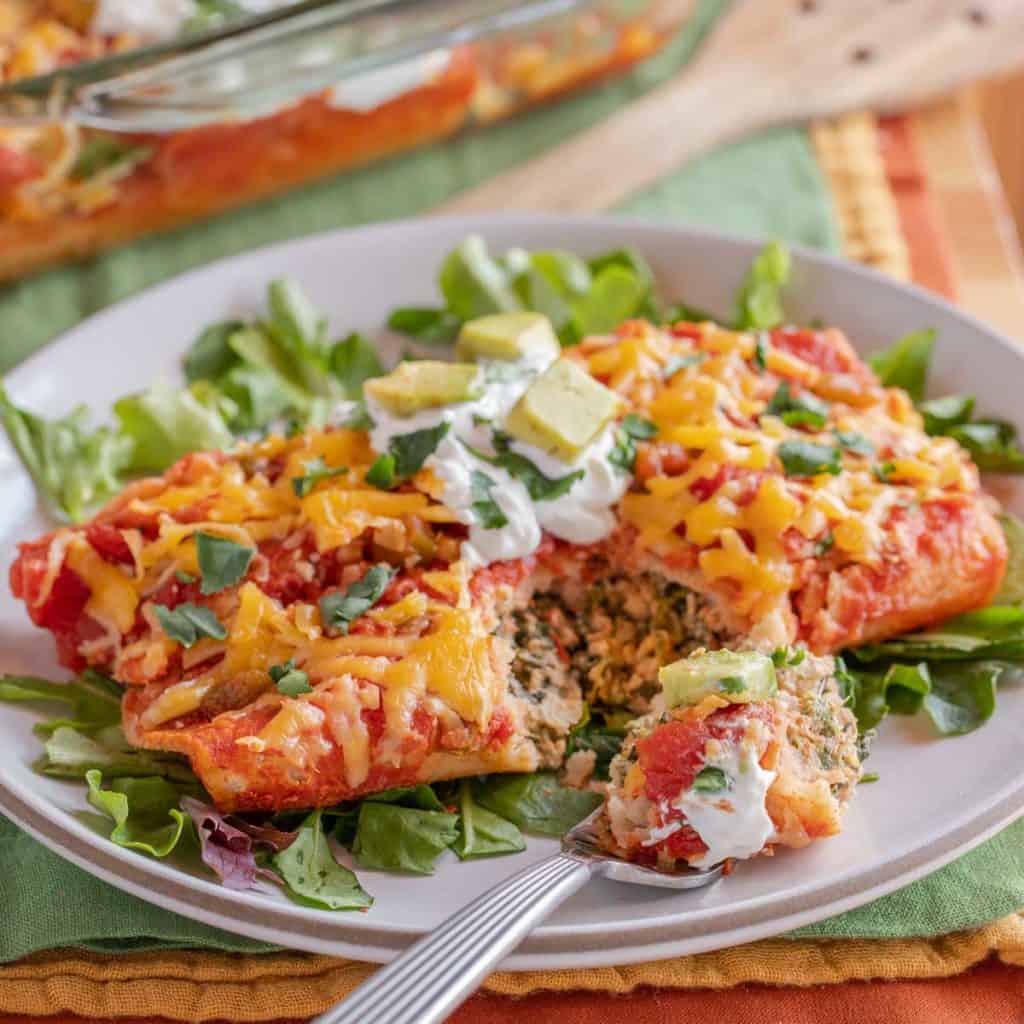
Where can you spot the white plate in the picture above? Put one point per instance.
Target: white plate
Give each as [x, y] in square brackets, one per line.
[935, 800]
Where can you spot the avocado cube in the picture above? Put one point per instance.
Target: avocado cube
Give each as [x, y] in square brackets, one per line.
[562, 411]
[506, 336]
[738, 677]
[425, 384]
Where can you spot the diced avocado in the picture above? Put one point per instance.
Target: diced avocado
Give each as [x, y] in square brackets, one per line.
[562, 411]
[424, 384]
[506, 336]
[736, 676]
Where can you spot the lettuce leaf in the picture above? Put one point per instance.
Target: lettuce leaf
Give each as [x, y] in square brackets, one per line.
[311, 874]
[535, 803]
[228, 851]
[70, 753]
[1012, 590]
[759, 299]
[76, 467]
[905, 363]
[481, 833]
[164, 424]
[396, 838]
[95, 700]
[144, 811]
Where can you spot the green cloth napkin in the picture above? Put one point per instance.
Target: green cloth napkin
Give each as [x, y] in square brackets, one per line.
[769, 186]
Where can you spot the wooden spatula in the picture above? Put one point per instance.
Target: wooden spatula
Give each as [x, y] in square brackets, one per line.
[769, 62]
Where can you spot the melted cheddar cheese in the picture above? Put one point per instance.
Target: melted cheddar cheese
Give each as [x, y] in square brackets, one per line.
[419, 681]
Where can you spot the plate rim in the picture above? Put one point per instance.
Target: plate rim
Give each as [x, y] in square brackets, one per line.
[915, 861]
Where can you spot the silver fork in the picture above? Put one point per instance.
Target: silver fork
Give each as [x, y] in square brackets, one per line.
[434, 975]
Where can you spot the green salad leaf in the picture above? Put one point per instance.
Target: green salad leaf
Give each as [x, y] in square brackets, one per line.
[144, 811]
[992, 444]
[339, 609]
[95, 700]
[481, 833]
[905, 363]
[601, 730]
[222, 562]
[353, 360]
[75, 466]
[535, 803]
[392, 837]
[426, 324]
[474, 284]
[211, 356]
[1012, 590]
[311, 874]
[942, 414]
[164, 424]
[69, 753]
[759, 299]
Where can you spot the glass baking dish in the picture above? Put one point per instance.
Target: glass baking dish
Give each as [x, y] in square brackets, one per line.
[133, 116]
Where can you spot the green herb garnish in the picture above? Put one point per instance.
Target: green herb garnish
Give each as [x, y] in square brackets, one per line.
[710, 780]
[487, 511]
[339, 610]
[804, 458]
[189, 623]
[222, 562]
[312, 473]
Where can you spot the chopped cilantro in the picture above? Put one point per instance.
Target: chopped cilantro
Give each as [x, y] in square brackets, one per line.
[312, 473]
[189, 623]
[824, 545]
[732, 684]
[884, 471]
[339, 610]
[289, 680]
[677, 363]
[538, 486]
[854, 442]
[761, 346]
[382, 473]
[222, 562]
[487, 511]
[405, 456]
[632, 429]
[798, 410]
[710, 780]
[804, 458]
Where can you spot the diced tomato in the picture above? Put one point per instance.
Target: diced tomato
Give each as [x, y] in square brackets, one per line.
[684, 329]
[108, 542]
[674, 752]
[16, 167]
[819, 348]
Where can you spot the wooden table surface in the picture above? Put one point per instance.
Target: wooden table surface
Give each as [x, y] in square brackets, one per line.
[988, 279]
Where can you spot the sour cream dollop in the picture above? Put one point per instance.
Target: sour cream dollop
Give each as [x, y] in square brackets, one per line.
[582, 516]
[735, 822]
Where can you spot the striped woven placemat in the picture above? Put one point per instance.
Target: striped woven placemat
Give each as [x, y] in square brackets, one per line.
[850, 151]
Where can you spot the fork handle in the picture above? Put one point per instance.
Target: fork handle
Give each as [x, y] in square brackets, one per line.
[433, 976]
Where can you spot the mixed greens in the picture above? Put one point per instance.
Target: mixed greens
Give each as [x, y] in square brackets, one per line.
[283, 372]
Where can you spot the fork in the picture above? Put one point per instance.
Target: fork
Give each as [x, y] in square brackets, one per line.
[437, 973]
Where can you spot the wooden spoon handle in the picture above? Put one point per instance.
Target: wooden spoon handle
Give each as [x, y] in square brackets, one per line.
[634, 148]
